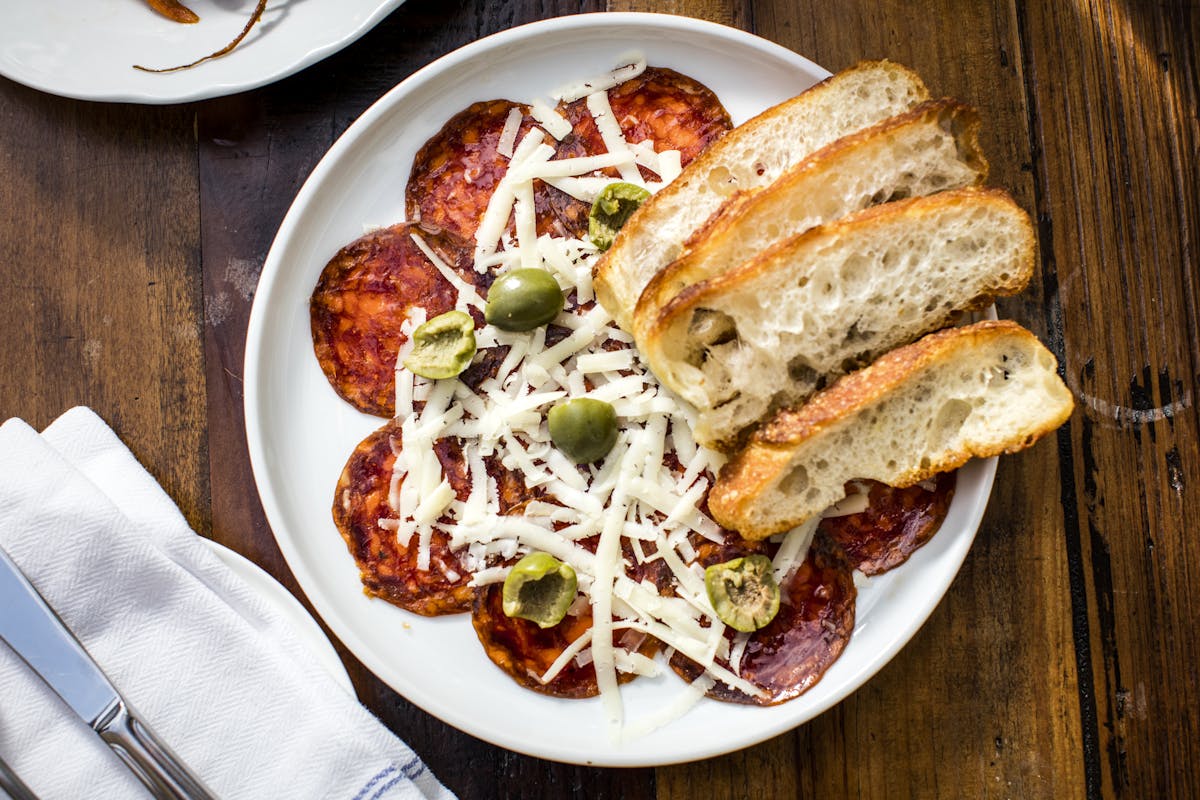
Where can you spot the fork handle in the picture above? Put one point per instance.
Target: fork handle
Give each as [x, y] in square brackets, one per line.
[163, 773]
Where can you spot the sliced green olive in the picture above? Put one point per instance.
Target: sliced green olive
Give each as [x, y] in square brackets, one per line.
[539, 588]
[743, 592]
[612, 209]
[523, 299]
[443, 346]
[583, 428]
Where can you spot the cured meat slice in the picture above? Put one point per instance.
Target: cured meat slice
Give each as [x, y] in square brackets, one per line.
[812, 628]
[364, 294]
[389, 568]
[526, 652]
[895, 523]
[672, 110]
[455, 173]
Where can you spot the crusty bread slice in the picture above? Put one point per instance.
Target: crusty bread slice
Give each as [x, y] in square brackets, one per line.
[772, 331]
[932, 148]
[976, 391]
[751, 156]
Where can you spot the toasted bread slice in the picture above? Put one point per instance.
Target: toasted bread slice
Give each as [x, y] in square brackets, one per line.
[751, 156]
[771, 332]
[976, 391]
[932, 148]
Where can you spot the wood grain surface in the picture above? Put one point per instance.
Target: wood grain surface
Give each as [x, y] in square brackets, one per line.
[1062, 662]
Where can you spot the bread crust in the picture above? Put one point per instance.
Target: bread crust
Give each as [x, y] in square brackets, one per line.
[697, 263]
[697, 294]
[771, 454]
[668, 341]
[617, 287]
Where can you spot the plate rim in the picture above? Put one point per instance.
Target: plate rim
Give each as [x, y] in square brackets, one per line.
[290, 67]
[272, 273]
[288, 607]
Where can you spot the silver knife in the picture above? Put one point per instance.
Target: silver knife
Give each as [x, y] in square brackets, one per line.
[12, 786]
[31, 628]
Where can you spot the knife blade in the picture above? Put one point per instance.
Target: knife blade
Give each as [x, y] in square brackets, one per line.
[36, 633]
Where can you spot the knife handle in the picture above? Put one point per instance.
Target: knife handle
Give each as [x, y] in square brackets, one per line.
[163, 773]
[12, 786]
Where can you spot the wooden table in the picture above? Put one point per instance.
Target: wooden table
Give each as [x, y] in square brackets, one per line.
[1063, 660]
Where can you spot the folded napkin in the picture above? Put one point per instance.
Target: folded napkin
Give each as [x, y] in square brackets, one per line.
[213, 669]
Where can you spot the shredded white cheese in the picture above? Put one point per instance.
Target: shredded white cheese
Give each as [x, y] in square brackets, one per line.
[645, 493]
[467, 296]
[508, 136]
[610, 133]
[635, 64]
[851, 504]
[793, 550]
[683, 703]
[554, 123]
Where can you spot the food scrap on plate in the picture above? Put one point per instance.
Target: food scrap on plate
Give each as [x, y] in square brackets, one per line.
[174, 11]
[177, 12]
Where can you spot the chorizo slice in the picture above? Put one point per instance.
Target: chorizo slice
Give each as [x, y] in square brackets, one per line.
[388, 568]
[895, 524]
[669, 109]
[812, 628]
[455, 173]
[363, 295]
[525, 651]
[672, 110]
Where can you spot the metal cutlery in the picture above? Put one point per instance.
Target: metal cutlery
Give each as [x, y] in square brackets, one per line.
[12, 786]
[31, 628]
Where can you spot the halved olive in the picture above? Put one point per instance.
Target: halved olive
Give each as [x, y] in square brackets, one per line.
[743, 592]
[612, 209]
[583, 428]
[443, 346]
[523, 299]
[539, 588]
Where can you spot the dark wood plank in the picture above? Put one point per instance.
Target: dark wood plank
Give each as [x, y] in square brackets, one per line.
[765, 770]
[99, 261]
[735, 13]
[1114, 91]
[255, 151]
[983, 701]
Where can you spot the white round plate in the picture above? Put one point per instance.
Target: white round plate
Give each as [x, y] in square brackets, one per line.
[87, 48]
[300, 433]
[280, 599]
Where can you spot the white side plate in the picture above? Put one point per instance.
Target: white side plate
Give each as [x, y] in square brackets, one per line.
[300, 433]
[87, 48]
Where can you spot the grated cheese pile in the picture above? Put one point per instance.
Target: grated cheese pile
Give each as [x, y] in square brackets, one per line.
[632, 496]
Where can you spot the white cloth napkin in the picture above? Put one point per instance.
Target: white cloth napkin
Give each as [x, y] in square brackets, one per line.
[209, 665]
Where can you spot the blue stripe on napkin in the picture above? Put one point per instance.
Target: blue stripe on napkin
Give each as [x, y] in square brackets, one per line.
[391, 775]
[378, 777]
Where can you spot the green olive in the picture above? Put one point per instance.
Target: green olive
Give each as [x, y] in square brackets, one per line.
[612, 209]
[539, 588]
[583, 428]
[523, 299]
[443, 346]
[743, 592]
